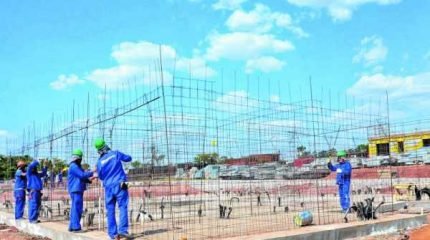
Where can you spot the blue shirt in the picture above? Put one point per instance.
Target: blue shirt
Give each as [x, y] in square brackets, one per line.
[60, 176]
[33, 176]
[343, 172]
[20, 180]
[110, 170]
[77, 178]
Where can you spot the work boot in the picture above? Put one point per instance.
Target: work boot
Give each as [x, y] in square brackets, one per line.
[125, 236]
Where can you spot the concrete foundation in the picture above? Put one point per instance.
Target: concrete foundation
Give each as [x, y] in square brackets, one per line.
[389, 224]
[53, 230]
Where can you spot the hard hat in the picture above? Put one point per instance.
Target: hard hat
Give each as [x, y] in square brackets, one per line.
[65, 169]
[341, 153]
[99, 143]
[78, 152]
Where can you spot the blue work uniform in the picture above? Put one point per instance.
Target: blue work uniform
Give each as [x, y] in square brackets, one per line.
[60, 178]
[34, 185]
[19, 193]
[111, 172]
[343, 180]
[77, 180]
[52, 178]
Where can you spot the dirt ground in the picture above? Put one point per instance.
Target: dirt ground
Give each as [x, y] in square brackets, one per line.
[11, 233]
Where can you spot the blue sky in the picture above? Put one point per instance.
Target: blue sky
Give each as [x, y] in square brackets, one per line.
[54, 52]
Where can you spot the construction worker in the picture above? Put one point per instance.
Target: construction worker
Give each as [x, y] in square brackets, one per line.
[34, 186]
[343, 178]
[20, 188]
[60, 178]
[111, 172]
[77, 180]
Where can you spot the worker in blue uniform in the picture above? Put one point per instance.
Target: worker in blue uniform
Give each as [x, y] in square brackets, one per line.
[77, 180]
[111, 172]
[34, 186]
[20, 188]
[343, 178]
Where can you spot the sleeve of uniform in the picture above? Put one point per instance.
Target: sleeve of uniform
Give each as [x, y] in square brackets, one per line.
[123, 157]
[99, 170]
[76, 171]
[44, 172]
[347, 169]
[32, 165]
[18, 173]
[331, 167]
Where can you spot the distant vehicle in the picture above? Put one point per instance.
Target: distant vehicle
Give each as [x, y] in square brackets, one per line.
[200, 174]
[299, 162]
[308, 172]
[356, 162]
[373, 162]
[388, 161]
[405, 159]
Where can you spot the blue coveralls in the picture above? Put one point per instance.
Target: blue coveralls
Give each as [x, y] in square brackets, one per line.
[34, 185]
[19, 193]
[60, 178]
[111, 172]
[77, 179]
[343, 179]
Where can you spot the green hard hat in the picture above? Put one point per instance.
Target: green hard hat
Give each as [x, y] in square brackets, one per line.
[341, 153]
[77, 152]
[99, 143]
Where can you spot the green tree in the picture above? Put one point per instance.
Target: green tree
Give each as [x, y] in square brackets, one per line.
[362, 150]
[302, 151]
[206, 158]
[136, 164]
[8, 165]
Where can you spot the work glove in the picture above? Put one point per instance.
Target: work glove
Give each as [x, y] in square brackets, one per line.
[339, 170]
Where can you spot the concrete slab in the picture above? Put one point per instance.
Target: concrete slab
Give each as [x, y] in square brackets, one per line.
[346, 230]
[53, 230]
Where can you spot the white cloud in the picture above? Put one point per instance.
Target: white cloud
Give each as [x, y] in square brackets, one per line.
[64, 81]
[227, 4]
[4, 133]
[140, 60]
[275, 98]
[339, 10]
[264, 64]
[372, 51]
[235, 101]
[261, 19]
[243, 45]
[407, 94]
[397, 86]
[196, 66]
[141, 53]
[114, 78]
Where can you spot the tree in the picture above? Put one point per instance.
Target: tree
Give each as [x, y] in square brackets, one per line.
[222, 159]
[136, 164]
[302, 151]
[8, 165]
[206, 158]
[362, 150]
